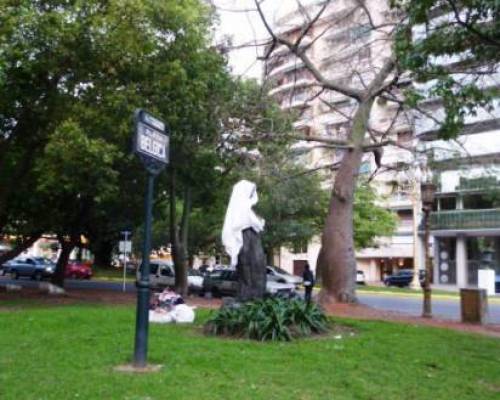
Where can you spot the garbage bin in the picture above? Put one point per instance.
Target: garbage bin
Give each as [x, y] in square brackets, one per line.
[474, 305]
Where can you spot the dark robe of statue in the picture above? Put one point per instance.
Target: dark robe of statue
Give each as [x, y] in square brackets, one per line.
[251, 268]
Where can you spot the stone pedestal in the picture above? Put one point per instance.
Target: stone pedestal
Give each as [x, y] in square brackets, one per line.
[474, 305]
[486, 280]
[251, 268]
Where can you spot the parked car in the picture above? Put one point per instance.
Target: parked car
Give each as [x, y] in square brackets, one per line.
[403, 278]
[360, 278]
[225, 282]
[162, 275]
[276, 274]
[4, 268]
[78, 270]
[34, 267]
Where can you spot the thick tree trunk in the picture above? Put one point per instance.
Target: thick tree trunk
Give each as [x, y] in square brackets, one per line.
[24, 245]
[338, 262]
[67, 247]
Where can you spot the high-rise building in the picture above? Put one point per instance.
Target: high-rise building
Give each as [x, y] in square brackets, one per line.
[344, 47]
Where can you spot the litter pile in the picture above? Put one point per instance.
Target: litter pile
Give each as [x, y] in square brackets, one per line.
[169, 307]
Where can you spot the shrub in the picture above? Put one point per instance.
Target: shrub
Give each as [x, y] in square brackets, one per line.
[274, 318]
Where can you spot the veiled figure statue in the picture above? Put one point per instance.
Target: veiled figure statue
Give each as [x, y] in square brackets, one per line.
[241, 239]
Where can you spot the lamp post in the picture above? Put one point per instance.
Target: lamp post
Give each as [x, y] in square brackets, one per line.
[428, 191]
[416, 176]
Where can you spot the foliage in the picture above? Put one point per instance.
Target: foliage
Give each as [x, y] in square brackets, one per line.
[274, 318]
[369, 219]
[76, 175]
[467, 31]
[292, 201]
[71, 74]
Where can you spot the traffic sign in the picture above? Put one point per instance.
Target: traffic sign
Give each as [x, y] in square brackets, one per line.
[125, 246]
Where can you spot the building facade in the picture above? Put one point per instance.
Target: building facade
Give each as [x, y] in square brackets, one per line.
[345, 48]
[466, 222]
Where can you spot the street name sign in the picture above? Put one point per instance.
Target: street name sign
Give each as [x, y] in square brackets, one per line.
[151, 141]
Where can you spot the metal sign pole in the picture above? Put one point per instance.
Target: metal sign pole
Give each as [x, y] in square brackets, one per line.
[141, 335]
[152, 145]
[125, 233]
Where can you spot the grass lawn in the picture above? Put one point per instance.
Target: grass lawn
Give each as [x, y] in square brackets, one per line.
[111, 274]
[69, 352]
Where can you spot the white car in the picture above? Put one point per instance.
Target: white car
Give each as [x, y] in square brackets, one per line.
[275, 274]
[162, 274]
[275, 288]
[360, 278]
[225, 282]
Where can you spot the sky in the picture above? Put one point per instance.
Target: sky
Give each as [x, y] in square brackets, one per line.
[240, 20]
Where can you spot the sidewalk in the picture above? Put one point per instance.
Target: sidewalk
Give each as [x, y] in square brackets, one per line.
[358, 311]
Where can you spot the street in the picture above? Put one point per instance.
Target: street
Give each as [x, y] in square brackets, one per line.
[409, 305]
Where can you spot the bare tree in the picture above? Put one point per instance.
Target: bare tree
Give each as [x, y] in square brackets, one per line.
[360, 80]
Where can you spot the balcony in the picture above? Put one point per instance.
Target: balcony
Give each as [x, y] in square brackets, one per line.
[292, 63]
[458, 220]
[293, 84]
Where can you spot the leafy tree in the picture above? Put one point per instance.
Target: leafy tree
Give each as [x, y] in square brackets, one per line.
[75, 71]
[436, 30]
[292, 201]
[369, 219]
[77, 178]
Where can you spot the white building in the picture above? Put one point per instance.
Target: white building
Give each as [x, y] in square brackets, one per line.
[343, 47]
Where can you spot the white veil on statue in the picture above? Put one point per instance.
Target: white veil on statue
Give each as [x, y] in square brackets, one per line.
[240, 216]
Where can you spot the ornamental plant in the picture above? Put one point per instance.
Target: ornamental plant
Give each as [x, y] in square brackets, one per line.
[275, 319]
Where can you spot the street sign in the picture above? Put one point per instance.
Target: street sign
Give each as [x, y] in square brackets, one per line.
[151, 141]
[125, 246]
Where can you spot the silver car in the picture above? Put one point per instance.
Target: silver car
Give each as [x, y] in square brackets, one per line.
[276, 274]
[225, 282]
[162, 275]
[34, 267]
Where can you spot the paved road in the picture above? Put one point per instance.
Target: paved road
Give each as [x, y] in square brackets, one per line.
[411, 305]
[442, 308]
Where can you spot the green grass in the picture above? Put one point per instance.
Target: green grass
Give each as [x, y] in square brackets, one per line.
[405, 290]
[69, 353]
[111, 274]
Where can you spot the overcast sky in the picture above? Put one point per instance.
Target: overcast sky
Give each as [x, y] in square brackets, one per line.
[240, 20]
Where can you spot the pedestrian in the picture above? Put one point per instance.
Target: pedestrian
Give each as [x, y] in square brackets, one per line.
[308, 279]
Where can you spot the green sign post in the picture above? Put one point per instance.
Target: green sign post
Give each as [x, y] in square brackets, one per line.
[151, 143]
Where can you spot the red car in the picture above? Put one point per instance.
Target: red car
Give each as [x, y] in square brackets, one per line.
[78, 270]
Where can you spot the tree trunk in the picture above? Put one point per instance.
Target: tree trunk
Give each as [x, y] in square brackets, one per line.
[67, 247]
[270, 256]
[178, 252]
[25, 244]
[103, 253]
[338, 262]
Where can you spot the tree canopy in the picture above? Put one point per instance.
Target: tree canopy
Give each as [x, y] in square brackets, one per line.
[453, 47]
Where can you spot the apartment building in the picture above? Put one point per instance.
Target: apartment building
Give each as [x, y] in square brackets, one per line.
[345, 48]
[466, 222]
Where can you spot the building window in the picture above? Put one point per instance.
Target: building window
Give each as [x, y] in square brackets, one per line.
[447, 203]
[404, 137]
[478, 202]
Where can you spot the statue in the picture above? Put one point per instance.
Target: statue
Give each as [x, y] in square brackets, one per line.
[241, 239]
